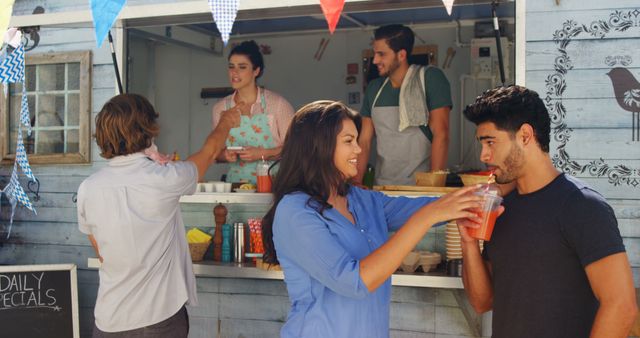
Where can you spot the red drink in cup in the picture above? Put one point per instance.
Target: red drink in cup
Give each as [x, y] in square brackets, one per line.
[263, 178]
[488, 213]
[264, 183]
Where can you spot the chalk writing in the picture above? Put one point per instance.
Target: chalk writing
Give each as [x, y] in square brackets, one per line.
[25, 290]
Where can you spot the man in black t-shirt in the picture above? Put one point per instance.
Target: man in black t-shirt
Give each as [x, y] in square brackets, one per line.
[556, 266]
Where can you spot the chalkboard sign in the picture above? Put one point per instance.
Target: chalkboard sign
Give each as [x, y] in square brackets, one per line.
[39, 301]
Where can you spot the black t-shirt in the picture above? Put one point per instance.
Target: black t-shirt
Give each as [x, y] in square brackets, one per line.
[538, 251]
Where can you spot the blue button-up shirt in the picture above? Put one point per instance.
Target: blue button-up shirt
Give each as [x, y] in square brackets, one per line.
[320, 256]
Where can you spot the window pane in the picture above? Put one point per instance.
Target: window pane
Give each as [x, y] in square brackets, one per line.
[12, 141]
[51, 77]
[15, 105]
[28, 141]
[31, 78]
[50, 142]
[50, 111]
[73, 141]
[73, 82]
[73, 110]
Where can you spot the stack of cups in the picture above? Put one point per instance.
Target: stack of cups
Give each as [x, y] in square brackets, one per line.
[453, 245]
[453, 242]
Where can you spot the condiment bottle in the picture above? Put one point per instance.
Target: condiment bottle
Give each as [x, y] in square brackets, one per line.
[220, 217]
[226, 242]
[262, 173]
[367, 179]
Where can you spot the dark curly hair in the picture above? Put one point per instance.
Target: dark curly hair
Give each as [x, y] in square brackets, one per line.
[511, 107]
[396, 36]
[306, 162]
[251, 50]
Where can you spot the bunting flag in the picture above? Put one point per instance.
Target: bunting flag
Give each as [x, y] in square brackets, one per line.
[448, 4]
[6, 9]
[12, 69]
[24, 110]
[21, 157]
[224, 14]
[104, 14]
[332, 10]
[15, 194]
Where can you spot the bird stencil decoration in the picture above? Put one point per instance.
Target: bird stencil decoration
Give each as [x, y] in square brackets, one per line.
[627, 91]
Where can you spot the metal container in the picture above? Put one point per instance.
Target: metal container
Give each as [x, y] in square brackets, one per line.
[238, 242]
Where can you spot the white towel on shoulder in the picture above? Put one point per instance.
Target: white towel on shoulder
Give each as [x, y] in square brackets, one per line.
[413, 104]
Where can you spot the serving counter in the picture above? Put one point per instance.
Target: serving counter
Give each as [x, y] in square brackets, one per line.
[249, 271]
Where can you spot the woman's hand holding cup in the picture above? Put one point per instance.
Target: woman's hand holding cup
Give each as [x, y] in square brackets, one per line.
[455, 205]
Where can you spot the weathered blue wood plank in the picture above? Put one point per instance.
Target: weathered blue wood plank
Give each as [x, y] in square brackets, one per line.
[580, 84]
[541, 26]
[584, 54]
[610, 191]
[627, 209]
[451, 320]
[248, 328]
[250, 287]
[254, 307]
[632, 245]
[576, 5]
[45, 232]
[601, 143]
[413, 317]
[50, 215]
[12, 254]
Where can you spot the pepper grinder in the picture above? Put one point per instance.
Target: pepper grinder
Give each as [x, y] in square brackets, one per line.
[220, 216]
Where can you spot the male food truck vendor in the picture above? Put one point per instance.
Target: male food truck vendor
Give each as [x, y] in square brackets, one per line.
[396, 108]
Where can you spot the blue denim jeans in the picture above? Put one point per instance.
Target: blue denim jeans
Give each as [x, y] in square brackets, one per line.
[176, 326]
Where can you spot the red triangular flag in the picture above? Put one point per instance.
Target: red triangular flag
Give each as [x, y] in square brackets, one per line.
[332, 10]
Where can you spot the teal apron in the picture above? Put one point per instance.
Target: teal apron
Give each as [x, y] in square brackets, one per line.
[253, 131]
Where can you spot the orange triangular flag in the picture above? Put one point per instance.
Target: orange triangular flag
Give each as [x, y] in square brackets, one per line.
[332, 10]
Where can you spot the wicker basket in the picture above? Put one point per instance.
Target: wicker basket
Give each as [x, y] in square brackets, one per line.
[431, 179]
[197, 250]
[471, 179]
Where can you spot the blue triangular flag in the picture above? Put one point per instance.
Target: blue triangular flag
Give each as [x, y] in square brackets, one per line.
[105, 13]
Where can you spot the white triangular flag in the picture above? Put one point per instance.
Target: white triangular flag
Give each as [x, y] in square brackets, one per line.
[448, 4]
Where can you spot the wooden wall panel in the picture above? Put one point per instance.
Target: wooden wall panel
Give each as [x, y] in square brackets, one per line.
[541, 26]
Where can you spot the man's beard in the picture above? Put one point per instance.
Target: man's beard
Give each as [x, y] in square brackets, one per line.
[392, 67]
[512, 165]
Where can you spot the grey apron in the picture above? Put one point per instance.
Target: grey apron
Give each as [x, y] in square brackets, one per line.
[399, 154]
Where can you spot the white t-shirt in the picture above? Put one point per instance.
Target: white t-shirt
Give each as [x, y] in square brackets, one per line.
[132, 209]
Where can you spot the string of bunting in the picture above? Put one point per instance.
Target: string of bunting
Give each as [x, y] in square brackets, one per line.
[12, 69]
[224, 12]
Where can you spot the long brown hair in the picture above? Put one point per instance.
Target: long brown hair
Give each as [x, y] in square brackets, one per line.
[126, 124]
[306, 163]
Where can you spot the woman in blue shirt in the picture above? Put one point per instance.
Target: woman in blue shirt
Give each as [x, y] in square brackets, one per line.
[331, 238]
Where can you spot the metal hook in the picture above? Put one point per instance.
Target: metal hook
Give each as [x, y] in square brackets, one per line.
[74, 197]
[36, 193]
[32, 31]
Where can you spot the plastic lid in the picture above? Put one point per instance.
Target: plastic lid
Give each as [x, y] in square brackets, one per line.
[489, 189]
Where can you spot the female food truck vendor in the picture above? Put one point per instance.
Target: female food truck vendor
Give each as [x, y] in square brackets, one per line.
[265, 115]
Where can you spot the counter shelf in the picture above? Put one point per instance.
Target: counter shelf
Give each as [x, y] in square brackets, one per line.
[248, 270]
